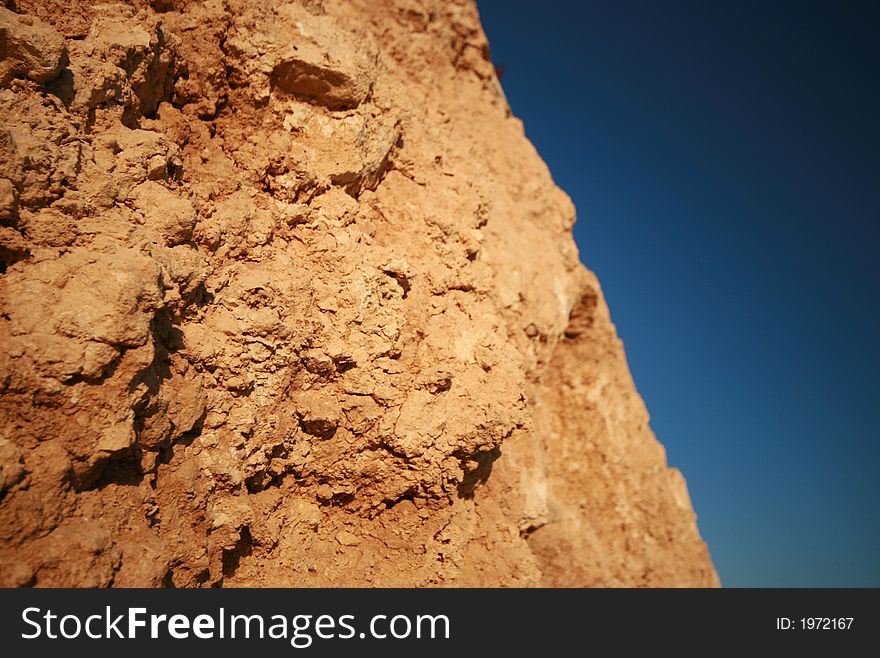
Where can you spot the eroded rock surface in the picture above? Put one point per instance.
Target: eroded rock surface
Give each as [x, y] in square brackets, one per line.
[289, 299]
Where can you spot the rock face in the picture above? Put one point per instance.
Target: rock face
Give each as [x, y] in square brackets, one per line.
[289, 299]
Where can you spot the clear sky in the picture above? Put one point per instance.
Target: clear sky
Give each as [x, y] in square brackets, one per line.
[724, 158]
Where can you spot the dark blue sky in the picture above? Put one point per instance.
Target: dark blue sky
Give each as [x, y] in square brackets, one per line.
[724, 158]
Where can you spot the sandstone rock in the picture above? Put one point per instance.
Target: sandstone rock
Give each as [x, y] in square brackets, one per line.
[318, 413]
[141, 50]
[172, 217]
[8, 201]
[39, 152]
[30, 48]
[11, 465]
[13, 246]
[346, 538]
[288, 299]
[311, 57]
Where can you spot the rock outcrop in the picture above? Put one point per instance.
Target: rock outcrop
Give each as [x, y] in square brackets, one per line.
[287, 298]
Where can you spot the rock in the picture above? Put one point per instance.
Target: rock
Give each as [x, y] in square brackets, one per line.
[13, 246]
[115, 440]
[30, 48]
[39, 151]
[324, 65]
[12, 469]
[310, 57]
[288, 299]
[318, 413]
[88, 297]
[8, 202]
[143, 52]
[172, 217]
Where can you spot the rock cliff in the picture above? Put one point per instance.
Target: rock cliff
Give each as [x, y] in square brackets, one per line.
[288, 299]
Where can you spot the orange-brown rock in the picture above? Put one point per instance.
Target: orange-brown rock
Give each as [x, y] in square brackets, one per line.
[287, 298]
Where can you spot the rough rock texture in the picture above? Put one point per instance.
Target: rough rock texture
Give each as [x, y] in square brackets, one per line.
[288, 299]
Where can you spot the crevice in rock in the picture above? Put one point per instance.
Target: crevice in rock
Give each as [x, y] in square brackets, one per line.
[401, 279]
[407, 495]
[243, 548]
[526, 532]
[582, 315]
[476, 474]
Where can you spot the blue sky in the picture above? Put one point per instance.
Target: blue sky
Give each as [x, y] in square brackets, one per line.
[724, 159]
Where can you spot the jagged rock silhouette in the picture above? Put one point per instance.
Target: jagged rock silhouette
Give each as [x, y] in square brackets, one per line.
[289, 299]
